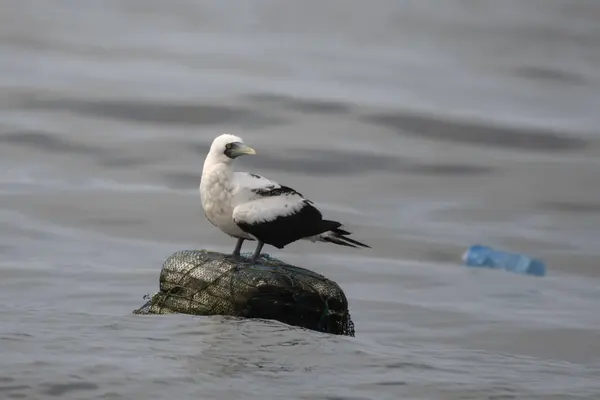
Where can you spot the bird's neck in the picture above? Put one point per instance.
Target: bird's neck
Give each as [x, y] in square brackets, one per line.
[217, 167]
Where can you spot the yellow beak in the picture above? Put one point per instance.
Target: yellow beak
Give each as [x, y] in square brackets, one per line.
[241, 149]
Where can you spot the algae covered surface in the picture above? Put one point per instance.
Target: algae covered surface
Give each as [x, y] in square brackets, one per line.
[201, 282]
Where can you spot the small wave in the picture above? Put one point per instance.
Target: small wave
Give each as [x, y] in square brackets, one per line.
[14, 182]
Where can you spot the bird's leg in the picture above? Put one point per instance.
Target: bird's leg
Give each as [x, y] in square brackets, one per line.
[238, 248]
[256, 255]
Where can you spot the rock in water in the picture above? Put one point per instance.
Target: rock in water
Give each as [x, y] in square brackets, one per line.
[201, 282]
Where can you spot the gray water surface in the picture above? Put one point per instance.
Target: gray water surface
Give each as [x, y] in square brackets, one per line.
[424, 126]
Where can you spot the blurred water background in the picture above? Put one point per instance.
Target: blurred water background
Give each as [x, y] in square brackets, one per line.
[426, 126]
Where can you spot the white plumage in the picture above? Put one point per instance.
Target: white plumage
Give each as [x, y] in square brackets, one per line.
[266, 209]
[251, 207]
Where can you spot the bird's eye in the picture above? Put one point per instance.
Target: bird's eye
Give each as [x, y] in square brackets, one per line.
[228, 146]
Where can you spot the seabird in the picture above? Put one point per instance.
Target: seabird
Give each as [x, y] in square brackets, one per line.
[248, 206]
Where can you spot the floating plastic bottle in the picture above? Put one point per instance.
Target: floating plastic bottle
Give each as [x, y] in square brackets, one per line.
[487, 257]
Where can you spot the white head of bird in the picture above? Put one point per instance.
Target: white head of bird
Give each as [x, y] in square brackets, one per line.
[226, 148]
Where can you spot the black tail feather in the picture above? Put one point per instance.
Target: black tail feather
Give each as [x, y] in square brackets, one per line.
[339, 236]
[335, 240]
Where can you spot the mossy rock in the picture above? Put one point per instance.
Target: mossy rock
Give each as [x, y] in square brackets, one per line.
[201, 282]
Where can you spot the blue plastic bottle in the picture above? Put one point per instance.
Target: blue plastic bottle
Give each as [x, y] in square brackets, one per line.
[487, 257]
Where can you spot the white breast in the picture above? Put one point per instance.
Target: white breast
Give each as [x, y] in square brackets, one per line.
[216, 193]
